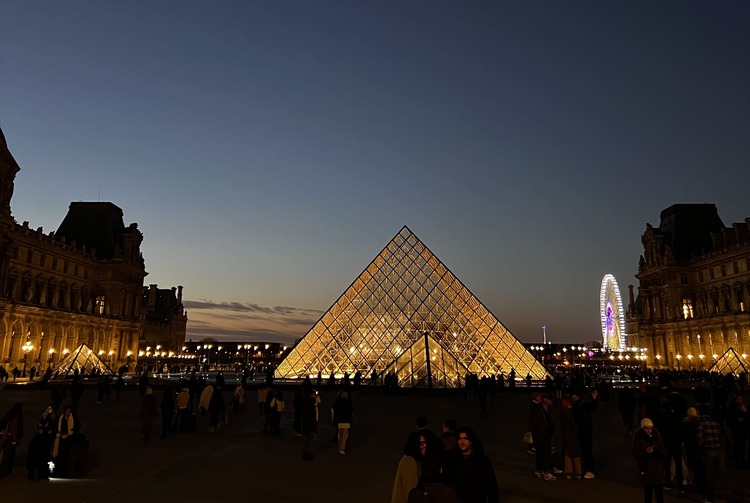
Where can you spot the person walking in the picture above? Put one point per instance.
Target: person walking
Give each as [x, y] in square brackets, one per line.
[649, 452]
[167, 413]
[216, 409]
[276, 409]
[343, 418]
[310, 418]
[182, 403]
[148, 412]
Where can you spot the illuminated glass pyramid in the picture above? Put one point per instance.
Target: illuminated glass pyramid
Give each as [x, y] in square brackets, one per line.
[81, 361]
[405, 306]
[728, 363]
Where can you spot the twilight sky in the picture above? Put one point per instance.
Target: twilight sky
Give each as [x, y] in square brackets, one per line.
[269, 150]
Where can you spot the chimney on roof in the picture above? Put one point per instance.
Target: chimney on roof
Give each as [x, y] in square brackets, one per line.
[179, 295]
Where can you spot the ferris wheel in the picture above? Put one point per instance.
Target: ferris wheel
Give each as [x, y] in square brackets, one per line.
[612, 314]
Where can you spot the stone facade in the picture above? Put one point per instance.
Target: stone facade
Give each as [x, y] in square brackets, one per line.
[694, 289]
[82, 283]
[164, 319]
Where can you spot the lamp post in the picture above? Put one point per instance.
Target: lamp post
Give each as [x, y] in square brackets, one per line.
[26, 348]
[679, 357]
[218, 358]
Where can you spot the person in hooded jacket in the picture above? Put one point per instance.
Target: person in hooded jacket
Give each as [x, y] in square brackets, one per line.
[650, 452]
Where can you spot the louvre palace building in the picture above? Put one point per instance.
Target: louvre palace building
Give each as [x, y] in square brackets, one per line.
[81, 284]
[694, 289]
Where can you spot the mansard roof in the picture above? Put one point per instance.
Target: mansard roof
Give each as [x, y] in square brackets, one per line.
[96, 225]
[687, 229]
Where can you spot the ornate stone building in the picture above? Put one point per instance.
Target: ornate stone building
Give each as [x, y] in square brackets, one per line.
[82, 283]
[164, 320]
[694, 289]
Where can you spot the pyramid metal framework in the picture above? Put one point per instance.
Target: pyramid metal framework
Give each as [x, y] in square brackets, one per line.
[409, 314]
[83, 360]
[728, 363]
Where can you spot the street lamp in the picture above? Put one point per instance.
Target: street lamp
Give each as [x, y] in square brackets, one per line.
[679, 357]
[658, 360]
[51, 357]
[26, 348]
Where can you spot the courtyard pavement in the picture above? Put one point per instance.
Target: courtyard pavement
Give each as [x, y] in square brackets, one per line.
[241, 462]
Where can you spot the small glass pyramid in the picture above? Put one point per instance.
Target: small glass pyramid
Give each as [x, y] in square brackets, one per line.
[728, 363]
[82, 361]
[404, 306]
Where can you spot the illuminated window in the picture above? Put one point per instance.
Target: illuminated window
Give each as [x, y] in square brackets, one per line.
[100, 301]
[687, 308]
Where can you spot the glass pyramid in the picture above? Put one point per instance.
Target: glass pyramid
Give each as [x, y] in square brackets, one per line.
[82, 361]
[728, 363]
[405, 305]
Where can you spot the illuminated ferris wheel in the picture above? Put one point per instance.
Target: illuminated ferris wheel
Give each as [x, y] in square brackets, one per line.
[612, 314]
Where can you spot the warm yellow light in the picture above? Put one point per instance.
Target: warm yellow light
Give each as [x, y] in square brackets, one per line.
[679, 357]
[51, 351]
[690, 357]
[66, 351]
[715, 356]
[140, 353]
[658, 357]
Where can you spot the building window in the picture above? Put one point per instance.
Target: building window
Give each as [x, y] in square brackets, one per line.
[100, 301]
[711, 273]
[723, 270]
[736, 267]
[700, 276]
[687, 308]
[684, 278]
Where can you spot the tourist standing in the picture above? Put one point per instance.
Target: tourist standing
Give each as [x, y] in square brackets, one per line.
[167, 413]
[541, 427]
[469, 471]
[310, 418]
[711, 444]
[582, 409]
[148, 412]
[409, 467]
[12, 432]
[343, 418]
[649, 452]
[570, 444]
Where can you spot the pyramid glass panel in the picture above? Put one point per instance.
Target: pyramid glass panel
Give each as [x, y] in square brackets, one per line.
[729, 363]
[408, 314]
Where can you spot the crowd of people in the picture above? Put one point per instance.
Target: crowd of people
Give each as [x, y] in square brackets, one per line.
[451, 468]
[679, 441]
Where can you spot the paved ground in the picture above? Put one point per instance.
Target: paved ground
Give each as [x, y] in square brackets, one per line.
[241, 462]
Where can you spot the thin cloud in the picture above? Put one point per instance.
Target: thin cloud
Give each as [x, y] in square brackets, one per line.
[237, 321]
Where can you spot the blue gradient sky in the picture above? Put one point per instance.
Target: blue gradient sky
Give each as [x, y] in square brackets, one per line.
[269, 150]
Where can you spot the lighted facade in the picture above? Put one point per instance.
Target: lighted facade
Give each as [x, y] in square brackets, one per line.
[408, 313]
[612, 315]
[693, 289]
